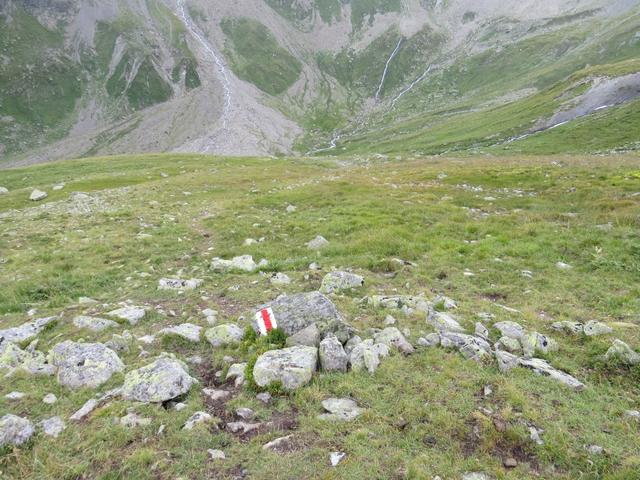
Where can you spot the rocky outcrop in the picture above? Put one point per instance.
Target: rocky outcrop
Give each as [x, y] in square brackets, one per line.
[293, 367]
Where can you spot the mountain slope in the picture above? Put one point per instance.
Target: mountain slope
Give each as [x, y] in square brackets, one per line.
[277, 76]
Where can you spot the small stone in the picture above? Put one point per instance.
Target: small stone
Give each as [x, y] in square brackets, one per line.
[510, 462]
[594, 449]
[216, 454]
[280, 279]
[178, 407]
[237, 371]
[563, 266]
[243, 263]
[160, 381]
[86, 301]
[393, 338]
[264, 397]
[216, 395]
[132, 420]
[444, 322]
[291, 208]
[14, 396]
[481, 331]
[568, 327]
[389, 320]
[178, 284]
[245, 413]
[341, 409]
[52, 427]
[632, 414]
[3, 191]
[336, 457]
[475, 476]
[133, 315]
[195, 419]
[242, 427]
[37, 195]
[280, 445]
[317, 243]
[89, 406]
[49, 399]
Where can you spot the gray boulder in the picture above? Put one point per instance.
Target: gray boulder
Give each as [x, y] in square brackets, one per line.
[15, 430]
[243, 263]
[542, 367]
[83, 365]
[26, 331]
[506, 361]
[293, 367]
[131, 314]
[622, 352]
[309, 336]
[444, 322]
[162, 380]
[188, 331]
[223, 335]
[332, 355]
[568, 327]
[337, 281]
[392, 338]
[340, 409]
[509, 344]
[298, 311]
[368, 355]
[594, 328]
[94, 324]
[534, 342]
[431, 340]
[13, 357]
[510, 329]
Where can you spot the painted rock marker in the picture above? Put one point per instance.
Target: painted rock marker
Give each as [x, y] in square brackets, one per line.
[266, 320]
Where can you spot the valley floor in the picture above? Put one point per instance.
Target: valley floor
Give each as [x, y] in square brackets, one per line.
[486, 232]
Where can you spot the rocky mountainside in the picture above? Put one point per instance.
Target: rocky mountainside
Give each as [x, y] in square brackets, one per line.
[87, 77]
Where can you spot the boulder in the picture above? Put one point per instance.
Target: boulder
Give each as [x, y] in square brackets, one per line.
[162, 380]
[178, 284]
[481, 331]
[594, 328]
[622, 352]
[223, 335]
[510, 329]
[31, 361]
[297, 311]
[332, 355]
[568, 327]
[444, 322]
[534, 342]
[188, 331]
[542, 367]
[243, 263]
[84, 365]
[337, 281]
[293, 367]
[340, 409]
[131, 314]
[506, 361]
[367, 354]
[509, 344]
[309, 336]
[431, 340]
[26, 331]
[476, 349]
[392, 338]
[15, 430]
[94, 324]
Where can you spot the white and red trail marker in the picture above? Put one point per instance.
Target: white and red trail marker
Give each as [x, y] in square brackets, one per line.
[266, 320]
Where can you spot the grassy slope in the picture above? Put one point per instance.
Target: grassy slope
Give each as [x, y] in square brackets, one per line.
[39, 85]
[546, 209]
[255, 56]
[435, 117]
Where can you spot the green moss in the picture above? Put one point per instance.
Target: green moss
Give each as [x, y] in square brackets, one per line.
[255, 56]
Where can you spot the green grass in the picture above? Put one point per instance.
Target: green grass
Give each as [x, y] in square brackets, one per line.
[422, 410]
[255, 56]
